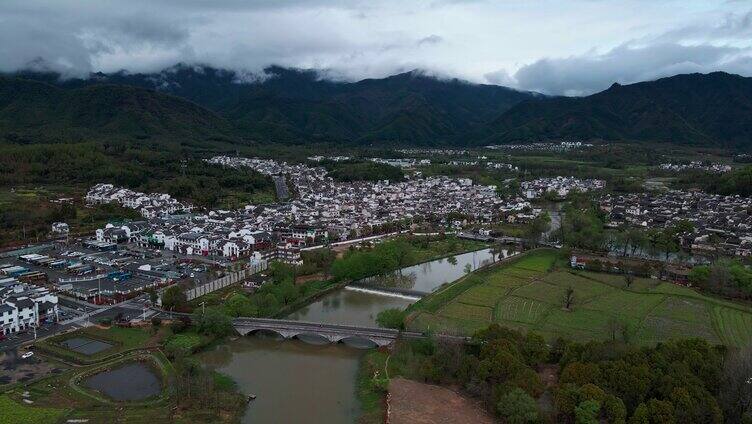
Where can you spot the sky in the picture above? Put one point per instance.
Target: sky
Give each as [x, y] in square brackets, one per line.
[563, 47]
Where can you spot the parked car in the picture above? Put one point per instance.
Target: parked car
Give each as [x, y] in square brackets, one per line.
[27, 355]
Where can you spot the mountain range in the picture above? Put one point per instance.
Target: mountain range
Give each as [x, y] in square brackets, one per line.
[298, 106]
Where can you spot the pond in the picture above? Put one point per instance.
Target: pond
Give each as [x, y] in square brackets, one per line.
[295, 382]
[85, 345]
[129, 382]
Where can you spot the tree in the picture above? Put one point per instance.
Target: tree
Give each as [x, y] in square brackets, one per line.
[534, 349]
[156, 321]
[468, 268]
[539, 225]
[569, 298]
[614, 410]
[614, 326]
[736, 388]
[628, 279]
[665, 241]
[517, 407]
[496, 250]
[587, 412]
[583, 228]
[174, 298]
[391, 318]
[239, 305]
[661, 411]
[213, 322]
[637, 240]
[153, 296]
[641, 415]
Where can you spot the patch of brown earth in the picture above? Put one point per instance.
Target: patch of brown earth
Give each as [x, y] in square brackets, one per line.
[411, 402]
[549, 375]
[301, 279]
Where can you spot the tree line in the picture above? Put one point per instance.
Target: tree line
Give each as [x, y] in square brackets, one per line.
[686, 381]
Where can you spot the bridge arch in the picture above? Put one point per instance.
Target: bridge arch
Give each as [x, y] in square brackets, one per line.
[257, 331]
[355, 340]
[332, 333]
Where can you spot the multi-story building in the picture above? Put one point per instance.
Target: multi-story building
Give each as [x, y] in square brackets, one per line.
[23, 306]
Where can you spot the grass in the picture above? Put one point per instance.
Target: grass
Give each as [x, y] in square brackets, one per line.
[528, 294]
[369, 392]
[187, 342]
[16, 413]
[121, 338]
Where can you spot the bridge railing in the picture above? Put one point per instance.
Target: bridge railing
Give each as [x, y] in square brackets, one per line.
[293, 323]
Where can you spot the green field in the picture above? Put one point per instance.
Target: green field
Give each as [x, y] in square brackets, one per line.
[527, 294]
[15, 413]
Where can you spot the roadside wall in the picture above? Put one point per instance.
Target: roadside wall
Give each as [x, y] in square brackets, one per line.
[225, 281]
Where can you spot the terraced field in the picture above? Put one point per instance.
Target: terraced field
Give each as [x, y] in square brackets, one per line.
[528, 293]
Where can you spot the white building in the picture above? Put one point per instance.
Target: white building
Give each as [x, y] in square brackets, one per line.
[23, 306]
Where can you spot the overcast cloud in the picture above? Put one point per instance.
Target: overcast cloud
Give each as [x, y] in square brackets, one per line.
[571, 47]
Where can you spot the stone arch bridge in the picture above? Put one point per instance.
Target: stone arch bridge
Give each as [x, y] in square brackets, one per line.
[332, 332]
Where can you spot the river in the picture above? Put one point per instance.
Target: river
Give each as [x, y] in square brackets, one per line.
[298, 381]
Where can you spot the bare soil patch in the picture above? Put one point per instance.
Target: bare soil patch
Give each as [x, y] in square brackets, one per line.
[411, 402]
[14, 369]
[310, 277]
[549, 375]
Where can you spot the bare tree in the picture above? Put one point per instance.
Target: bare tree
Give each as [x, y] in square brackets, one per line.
[628, 279]
[614, 326]
[569, 298]
[736, 390]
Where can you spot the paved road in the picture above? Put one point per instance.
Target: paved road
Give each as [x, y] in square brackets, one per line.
[132, 309]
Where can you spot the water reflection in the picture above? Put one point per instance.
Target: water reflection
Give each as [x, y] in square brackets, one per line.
[428, 276]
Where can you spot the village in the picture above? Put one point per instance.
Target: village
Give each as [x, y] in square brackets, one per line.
[561, 146]
[176, 241]
[721, 224]
[559, 186]
[716, 168]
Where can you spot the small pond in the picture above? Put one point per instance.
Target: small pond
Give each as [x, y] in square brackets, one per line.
[85, 345]
[132, 381]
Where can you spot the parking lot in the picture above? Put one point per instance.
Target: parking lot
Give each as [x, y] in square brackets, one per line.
[82, 271]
